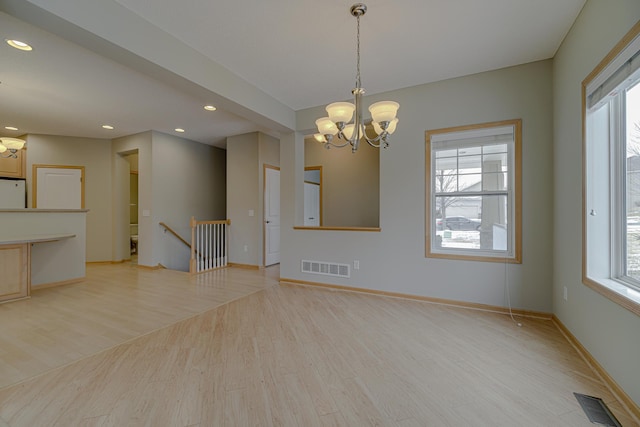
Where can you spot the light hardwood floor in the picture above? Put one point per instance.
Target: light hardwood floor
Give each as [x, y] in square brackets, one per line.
[116, 303]
[235, 349]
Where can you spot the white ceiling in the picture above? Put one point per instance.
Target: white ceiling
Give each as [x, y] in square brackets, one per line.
[301, 53]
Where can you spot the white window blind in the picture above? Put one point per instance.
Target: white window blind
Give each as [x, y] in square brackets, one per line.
[618, 76]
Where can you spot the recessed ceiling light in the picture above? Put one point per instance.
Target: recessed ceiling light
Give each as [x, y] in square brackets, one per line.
[210, 108]
[19, 45]
[11, 128]
[107, 127]
[179, 130]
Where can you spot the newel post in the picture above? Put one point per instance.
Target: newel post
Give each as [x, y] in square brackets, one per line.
[192, 263]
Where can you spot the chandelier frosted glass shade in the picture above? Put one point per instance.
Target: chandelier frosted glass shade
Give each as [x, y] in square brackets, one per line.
[340, 114]
[383, 111]
[348, 131]
[340, 111]
[13, 145]
[391, 128]
[326, 126]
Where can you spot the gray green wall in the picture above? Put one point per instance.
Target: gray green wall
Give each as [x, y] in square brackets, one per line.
[609, 332]
[242, 197]
[95, 156]
[189, 179]
[393, 259]
[120, 174]
[246, 156]
[178, 178]
[350, 183]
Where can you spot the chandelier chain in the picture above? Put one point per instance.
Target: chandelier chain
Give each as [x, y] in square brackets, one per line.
[358, 83]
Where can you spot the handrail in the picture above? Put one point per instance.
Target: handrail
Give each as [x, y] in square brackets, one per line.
[218, 221]
[170, 230]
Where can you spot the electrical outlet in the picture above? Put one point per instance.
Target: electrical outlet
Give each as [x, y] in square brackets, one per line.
[246, 248]
[252, 212]
[356, 265]
[565, 294]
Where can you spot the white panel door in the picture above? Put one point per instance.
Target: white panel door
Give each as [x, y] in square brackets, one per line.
[271, 216]
[59, 188]
[311, 204]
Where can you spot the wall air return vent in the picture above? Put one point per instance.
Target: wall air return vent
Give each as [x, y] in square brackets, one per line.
[326, 268]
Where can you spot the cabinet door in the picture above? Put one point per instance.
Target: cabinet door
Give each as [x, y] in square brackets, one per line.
[14, 168]
[14, 270]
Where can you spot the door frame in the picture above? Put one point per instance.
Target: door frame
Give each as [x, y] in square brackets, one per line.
[264, 228]
[34, 184]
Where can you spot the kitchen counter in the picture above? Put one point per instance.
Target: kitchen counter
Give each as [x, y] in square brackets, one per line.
[41, 248]
[41, 238]
[33, 210]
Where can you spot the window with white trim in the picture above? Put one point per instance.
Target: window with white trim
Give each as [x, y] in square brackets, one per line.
[473, 192]
[611, 96]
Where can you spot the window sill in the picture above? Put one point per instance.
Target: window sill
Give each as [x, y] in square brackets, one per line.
[466, 257]
[375, 229]
[616, 292]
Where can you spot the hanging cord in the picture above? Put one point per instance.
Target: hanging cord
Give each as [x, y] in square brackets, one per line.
[506, 278]
[506, 284]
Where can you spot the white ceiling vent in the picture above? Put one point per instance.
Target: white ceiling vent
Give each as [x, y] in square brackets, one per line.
[326, 268]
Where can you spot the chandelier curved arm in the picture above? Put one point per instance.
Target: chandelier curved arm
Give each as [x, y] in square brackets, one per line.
[10, 155]
[379, 141]
[331, 144]
[382, 139]
[328, 142]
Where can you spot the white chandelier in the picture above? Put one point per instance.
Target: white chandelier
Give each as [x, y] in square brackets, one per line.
[383, 113]
[12, 145]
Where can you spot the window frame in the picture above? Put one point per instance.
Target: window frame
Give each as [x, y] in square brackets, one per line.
[514, 200]
[601, 269]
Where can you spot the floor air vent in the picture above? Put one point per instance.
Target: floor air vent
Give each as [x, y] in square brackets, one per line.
[597, 410]
[326, 268]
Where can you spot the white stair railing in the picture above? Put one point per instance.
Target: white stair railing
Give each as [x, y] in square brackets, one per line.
[209, 245]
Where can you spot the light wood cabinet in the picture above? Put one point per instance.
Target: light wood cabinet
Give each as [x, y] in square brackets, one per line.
[14, 271]
[14, 168]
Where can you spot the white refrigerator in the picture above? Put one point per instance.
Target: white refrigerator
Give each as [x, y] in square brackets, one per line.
[12, 194]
